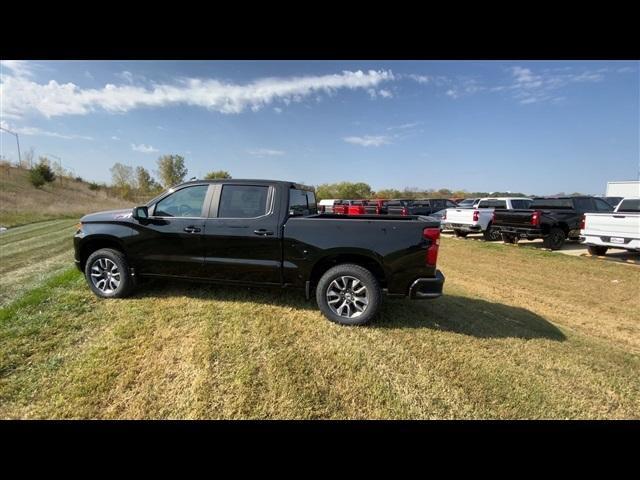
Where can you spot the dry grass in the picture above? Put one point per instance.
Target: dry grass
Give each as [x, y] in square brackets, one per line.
[519, 334]
[21, 203]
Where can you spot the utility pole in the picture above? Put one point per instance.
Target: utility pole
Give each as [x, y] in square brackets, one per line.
[18, 142]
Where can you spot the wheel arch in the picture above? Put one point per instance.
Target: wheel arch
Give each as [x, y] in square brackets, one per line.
[357, 258]
[94, 243]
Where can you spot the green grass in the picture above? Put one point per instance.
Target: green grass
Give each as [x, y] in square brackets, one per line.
[31, 253]
[518, 334]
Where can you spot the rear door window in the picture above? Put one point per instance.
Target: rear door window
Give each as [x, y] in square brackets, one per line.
[243, 201]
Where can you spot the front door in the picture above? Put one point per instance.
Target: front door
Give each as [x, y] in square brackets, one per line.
[170, 240]
[241, 238]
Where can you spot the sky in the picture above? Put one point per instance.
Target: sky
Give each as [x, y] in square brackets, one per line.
[522, 126]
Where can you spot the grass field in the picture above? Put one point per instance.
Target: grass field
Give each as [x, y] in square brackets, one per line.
[519, 334]
[21, 203]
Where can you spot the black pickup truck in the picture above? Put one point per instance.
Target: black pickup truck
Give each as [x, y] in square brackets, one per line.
[553, 219]
[425, 206]
[261, 232]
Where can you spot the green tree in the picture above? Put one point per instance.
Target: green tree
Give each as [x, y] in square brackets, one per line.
[144, 181]
[122, 179]
[217, 174]
[45, 170]
[36, 178]
[388, 193]
[346, 190]
[171, 170]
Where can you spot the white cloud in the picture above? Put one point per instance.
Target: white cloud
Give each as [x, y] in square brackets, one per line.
[142, 148]
[277, 110]
[115, 138]
[404, 126]
[452, 93]
[385, 93]
[35, 131]
[424, 79]
[529, 87]
[19, 68]
[21, 95]
[369, 140]
[262, 152]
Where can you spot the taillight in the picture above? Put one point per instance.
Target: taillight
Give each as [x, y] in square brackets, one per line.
[583, 222]
[535, 218]
[433, 235]
[405, 211]
[476, 215]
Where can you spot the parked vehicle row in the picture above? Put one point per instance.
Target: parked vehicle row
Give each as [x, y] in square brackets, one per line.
[403, 207]
[263, 233]
[479, 218]
[554, 220]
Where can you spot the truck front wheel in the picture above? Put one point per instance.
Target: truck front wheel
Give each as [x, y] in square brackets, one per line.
[349, 294]
[107, 273]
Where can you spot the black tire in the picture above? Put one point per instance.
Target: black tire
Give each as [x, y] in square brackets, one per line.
[555, 239]
[101, 262]
[460, 233]
[366, 278]
[597, 250]
[507, 238]
[491, 234]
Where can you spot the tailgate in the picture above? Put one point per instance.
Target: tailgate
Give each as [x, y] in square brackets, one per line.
[460, 215]
[513, 218]
[613, 224]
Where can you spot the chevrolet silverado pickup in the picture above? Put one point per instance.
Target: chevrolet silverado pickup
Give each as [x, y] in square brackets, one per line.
[620, 229]
[262, 233]
[554, 219]
[479, 220]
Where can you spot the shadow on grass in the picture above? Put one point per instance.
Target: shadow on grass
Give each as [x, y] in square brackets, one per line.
[468, 316]
[464, 315]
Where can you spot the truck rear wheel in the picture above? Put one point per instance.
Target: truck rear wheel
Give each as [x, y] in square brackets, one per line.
[597, 250]
[349, 294]
[555, 240]
[107, 273]
[507, 238]
[490, 234]
[460, 233]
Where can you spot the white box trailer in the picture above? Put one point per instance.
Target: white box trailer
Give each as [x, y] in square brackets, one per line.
[630, 188]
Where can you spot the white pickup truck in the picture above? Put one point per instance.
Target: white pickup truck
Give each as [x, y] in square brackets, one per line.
[478, 219]
[620, 229]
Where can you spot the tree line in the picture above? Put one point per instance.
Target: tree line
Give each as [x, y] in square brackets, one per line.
[130, 182]
[349, 190]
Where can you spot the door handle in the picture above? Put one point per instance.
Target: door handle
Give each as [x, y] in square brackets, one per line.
[191, 229]
[263, 231]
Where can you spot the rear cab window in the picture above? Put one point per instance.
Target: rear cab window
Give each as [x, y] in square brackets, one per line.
[520, 204]
[629, 206]
[551, 203]
[302, 202]
[492, 204]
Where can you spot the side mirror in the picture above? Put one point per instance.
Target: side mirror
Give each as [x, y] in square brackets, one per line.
[140, 213]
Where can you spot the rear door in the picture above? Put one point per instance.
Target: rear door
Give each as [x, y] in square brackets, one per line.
[241, 236]
[169, 242]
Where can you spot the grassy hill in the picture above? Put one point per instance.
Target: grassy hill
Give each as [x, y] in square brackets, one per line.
[22, 203]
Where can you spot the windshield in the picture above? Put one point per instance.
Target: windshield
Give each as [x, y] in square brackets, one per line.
[630, 206]
[467, 203]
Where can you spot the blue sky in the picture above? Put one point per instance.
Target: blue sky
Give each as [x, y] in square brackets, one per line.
[531, 126]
